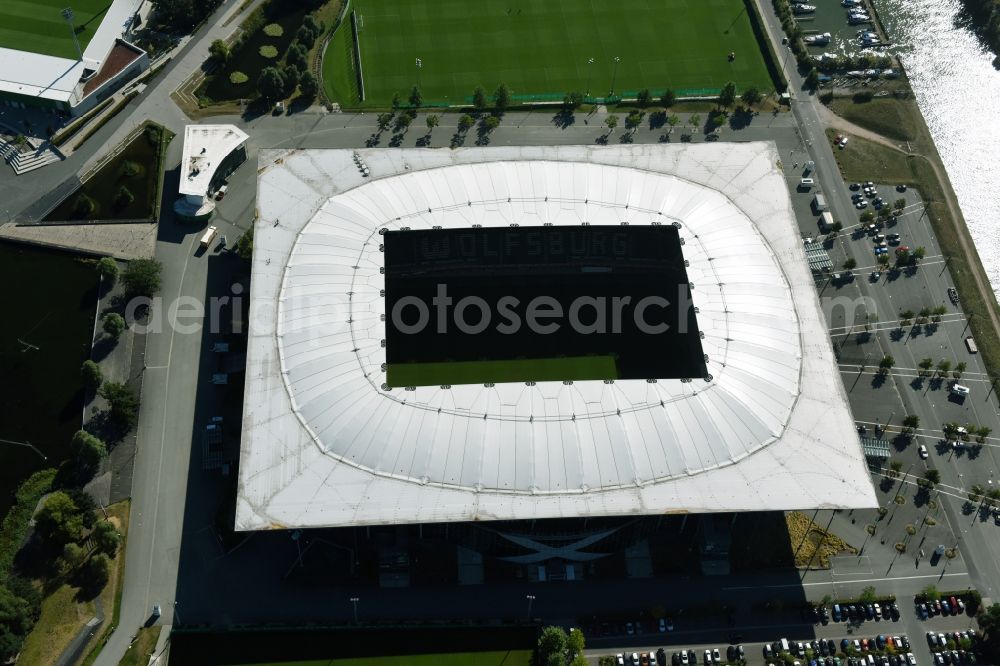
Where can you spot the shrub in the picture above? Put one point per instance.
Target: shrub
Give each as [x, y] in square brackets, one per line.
[273, 30]
[237, 78]
[107, 268]
[123, 404]
[131, 169]
[113, 324]
[305, 36]
[84, 206]
[124, 197]
[92, 375]
[268, 51]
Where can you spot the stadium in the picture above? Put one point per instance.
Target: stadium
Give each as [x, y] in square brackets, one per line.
[535, 449]
[66, 59]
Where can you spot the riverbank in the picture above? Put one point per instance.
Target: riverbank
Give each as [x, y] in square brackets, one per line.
[903, 128]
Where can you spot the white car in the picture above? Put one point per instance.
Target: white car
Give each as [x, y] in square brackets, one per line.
[843, 142]
[684, 657]
[922, 450]
[911, 659]
[663, 625]
[620, 659]
[958, 389]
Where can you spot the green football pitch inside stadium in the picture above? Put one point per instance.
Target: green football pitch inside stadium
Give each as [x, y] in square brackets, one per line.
[542, 48]
[578, 368]
[38, 25]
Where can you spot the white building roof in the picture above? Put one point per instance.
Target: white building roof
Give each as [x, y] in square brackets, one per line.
[326, 444]
[205, 146]
[55, 78]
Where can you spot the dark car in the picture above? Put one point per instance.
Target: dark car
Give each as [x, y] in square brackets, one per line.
[870, 611]
[661, 657]
[901, 188]
[855, 186]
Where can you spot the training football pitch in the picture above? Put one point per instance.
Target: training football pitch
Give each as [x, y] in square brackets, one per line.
[542, 47]
[38, 25]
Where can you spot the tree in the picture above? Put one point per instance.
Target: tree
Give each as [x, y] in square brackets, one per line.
[87, 451]
[727, 95]
[396, 101]
[989, 622]
[124, 197]
[92, 375]
[107, 268]
[142, 277]
[643, 97]
[944, 366]
[575, 643]
[114, 324]
[887, 362]
[694, 121]
[502, 97]
[718, 119]
[219, 50]
[314, 25]
[416, 97]
[867, 595]
[465, 122]
[432, 122]
[59, 520]
[573, 100]
[106, 538]
[850, 263]
[812, 79]
[291, 76]
[919, 253]
[977, 493]
[552, 646]
[181, 15]
[72, 555]
[16, 620]
[271, 84]
[633, 120]
[305, 36]
[911, 421]
[751, 96]
[298, 57]
[403, 122]
[244, 246]
[673, 120]
[867, 216]
[122, 402]
[933, 477]
[926, 363]
[491, 123]
[383, 120]
[668, 98]
[612, 122]
[479, 98]
[960, 368]
[308, 85]
[96, 571]
[931, 593]
[982, 433]
[899, 204]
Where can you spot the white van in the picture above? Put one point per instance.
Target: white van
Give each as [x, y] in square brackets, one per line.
[784, 645]
[208, 237]
[958, 389]
[805, 183]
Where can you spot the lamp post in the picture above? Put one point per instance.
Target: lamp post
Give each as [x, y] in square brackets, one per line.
[614, 76]
[531, 599]
[590, 74]
[355, 600]
[420, 65]
[67, 14]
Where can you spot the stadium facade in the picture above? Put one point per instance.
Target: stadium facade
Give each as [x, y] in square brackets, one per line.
[327, 442]
[75, 85]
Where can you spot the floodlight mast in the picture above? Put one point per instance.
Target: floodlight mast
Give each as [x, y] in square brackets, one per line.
[67, 14]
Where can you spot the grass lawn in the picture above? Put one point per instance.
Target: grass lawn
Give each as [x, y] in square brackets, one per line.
[38, 25]
[141, 650]
[501, 658]
[897, 119]
[63, 614]
[542, 47]
[575, 368]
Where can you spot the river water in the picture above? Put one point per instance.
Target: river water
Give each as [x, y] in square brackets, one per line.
[958, 91]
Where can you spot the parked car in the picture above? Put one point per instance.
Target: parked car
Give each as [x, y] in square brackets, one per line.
[922, 450]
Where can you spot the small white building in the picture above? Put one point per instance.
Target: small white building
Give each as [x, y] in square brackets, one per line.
[211, 153]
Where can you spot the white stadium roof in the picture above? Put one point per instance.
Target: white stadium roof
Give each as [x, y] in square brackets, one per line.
[54, 78]
[326, 444]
